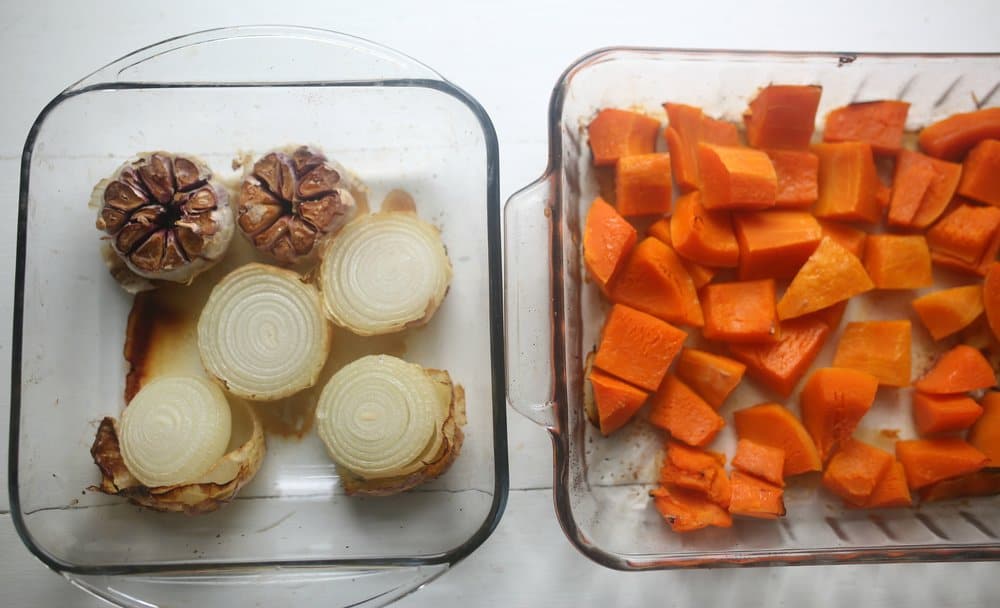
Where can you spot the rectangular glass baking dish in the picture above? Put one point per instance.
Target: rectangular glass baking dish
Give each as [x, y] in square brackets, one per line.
[393, 122]
[554, 317]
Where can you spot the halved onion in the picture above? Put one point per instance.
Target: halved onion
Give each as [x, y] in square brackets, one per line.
[381, 417]
[262, 333]
[383, 273]
[174, 430]
[211, 490]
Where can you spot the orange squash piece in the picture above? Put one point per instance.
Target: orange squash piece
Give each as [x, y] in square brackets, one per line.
[617, 133]
[772, 425]
[753, 497]
[700, 275]
[642, 184]
[939, 193]
[682, 135]
[991, 297]
[712, 376]
[759, 460]
[966, 238]
[782, 116]
[616, 401]
[654, 280]
[686, 511]
[880, 348]
[736, 178]
[914, 174]
[944, 413]
[798, 177]
[981, 173]
[607, 240]
[688, 126]
[958, 370]
[985, 433]
[696, 470]
[892, 490]
[947, 311]
[740, 312]
[681, 412]
[952, 137]
[702, 236]
[923, 187]
[927, 461]
[848, 183]
[637, 347]
[847, 236]
[980, 483]
[718, 132]
[775, 244]
[833, 401]
[856, 470]
[830, 275]
[780, 366]
[878, 123]
[898, 261]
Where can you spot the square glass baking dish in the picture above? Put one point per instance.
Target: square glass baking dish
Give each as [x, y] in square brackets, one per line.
[393, 122]
[554, 318]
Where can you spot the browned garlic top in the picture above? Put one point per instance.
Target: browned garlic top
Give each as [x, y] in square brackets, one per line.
[165, 217]
[290, 202]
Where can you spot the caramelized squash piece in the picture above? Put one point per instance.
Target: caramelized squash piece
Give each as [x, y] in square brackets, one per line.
[617, 133]
[830, 275]
[678, 410]
[833, 402]
[881, 348]
[712, 376]
[772, 425]
[753, 497]
[928, 461]
[637, 347]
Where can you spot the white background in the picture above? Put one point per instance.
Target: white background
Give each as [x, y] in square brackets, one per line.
[507, 55]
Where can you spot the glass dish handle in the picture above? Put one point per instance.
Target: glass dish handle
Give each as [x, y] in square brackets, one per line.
[306, 586]
[528, 302]
[259, 54]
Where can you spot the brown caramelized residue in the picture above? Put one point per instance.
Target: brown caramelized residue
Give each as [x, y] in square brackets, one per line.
[291, 417]
[889, 433]
[148, 321]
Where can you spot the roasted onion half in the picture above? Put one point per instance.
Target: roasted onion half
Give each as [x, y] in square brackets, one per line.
[383, 273]
[390, 425]
[262, 333]
[173, 441]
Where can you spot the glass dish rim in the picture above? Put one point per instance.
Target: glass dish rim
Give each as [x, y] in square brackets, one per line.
[498, 364]
[560, 441]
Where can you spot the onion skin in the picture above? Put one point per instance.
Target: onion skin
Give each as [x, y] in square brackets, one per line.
[195, 498]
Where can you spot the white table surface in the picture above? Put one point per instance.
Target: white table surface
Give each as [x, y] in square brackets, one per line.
[507, 55]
